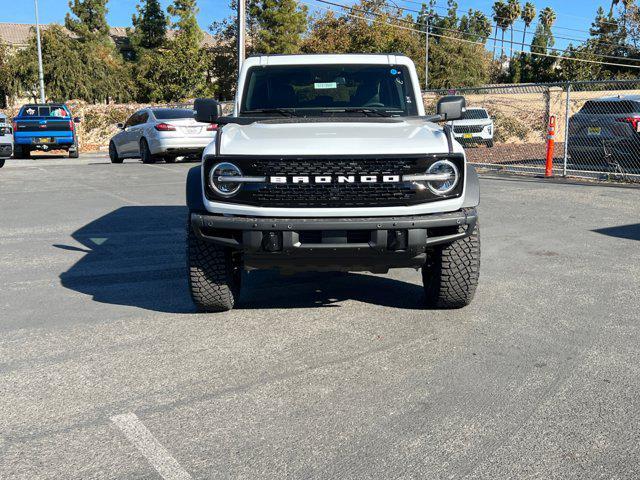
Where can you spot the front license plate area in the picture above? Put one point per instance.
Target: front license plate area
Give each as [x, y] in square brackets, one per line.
[467, 135]
[594, 131]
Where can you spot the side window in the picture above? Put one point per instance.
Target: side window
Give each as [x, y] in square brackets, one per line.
[143, 118]
[132, 120]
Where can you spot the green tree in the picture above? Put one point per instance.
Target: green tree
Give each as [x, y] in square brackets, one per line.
[179, 71]
[149, 25]
[476, 25]
[452, 62]
[88, 18]
[280, 25]
[73, 70]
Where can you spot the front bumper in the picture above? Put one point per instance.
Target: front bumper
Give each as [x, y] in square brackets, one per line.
[473, 137]
[369, 244]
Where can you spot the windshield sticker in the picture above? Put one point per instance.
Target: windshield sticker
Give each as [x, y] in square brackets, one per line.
[394, 71]
[31, 111]
[325, 85]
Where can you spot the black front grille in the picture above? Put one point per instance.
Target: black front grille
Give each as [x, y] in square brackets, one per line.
[357, 193]
[468, 128]
[325, 195]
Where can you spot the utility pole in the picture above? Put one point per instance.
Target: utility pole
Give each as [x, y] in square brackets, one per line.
[40, 69]
[426, 54]
[241, 25]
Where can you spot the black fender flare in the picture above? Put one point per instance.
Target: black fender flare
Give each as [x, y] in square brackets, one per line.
[472, 191]
[195, 203]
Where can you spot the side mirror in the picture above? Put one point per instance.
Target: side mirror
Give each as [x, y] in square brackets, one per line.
[76, 120]
[120, 126]
[451, 107]
[207, 110]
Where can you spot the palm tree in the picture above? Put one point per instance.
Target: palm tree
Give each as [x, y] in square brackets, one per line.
[547, 18]
[498, 10]
[528, 15]
[504, 24]
[514, 9]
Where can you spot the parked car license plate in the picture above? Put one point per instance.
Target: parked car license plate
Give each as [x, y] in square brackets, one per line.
[43, 140]
[193, 129]
[467, 135]
[594, 131]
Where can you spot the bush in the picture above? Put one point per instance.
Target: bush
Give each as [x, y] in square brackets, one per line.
[510, 128]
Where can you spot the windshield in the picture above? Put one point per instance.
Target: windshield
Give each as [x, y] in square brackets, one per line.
[475, 114]
[173, 113]
[610, 106]
[43, 111]
[316, 90]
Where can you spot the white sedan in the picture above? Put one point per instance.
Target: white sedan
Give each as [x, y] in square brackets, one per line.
[154, 134]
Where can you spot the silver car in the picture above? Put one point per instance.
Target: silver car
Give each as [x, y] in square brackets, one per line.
[154, 134]
[605, 133]
[6, 139]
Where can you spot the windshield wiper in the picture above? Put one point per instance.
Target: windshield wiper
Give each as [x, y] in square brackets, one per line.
[285, 112]
[367, 111]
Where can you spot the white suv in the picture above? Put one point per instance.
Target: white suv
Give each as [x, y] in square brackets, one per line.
[475, 126]
[329, 162]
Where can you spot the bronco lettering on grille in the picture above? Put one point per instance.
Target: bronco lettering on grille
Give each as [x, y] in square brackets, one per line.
[338, 179]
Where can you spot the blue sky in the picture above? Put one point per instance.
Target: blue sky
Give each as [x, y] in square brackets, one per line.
[572, 14]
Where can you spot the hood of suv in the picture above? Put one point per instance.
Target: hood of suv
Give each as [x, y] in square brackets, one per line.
[335, 137]
[479, 121]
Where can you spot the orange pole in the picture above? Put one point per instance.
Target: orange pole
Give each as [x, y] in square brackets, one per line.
[551, 133]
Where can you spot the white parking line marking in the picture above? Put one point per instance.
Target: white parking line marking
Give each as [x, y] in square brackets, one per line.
[158, 456]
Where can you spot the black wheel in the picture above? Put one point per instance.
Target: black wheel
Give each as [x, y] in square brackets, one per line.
[1, 162]
[145, 152]
[451, 273]
[74, 152]
[490, 143]
[20, 151]
[170, 159]
[113, 153]
[215, 274]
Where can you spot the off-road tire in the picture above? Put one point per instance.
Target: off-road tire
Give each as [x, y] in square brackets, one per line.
[215, 274]
[20, 152]
[451, 273]
[170, 159]
[145, 152]
[489, 143]
[113, 153]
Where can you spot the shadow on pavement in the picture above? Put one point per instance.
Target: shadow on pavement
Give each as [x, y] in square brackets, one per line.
[630, 232]
[135, 256]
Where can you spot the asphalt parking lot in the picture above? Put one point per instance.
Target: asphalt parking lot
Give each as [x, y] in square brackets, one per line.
[106, 371]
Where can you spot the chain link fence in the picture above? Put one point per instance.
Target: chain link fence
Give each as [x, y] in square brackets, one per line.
[597, 128]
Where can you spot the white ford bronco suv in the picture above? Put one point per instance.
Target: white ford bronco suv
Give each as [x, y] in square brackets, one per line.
[329, 163]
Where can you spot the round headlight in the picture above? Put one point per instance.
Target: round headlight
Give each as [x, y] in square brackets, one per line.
[444, 167]
[222, 188]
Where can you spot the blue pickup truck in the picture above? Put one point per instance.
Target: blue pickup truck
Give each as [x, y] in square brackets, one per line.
[45, 127]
